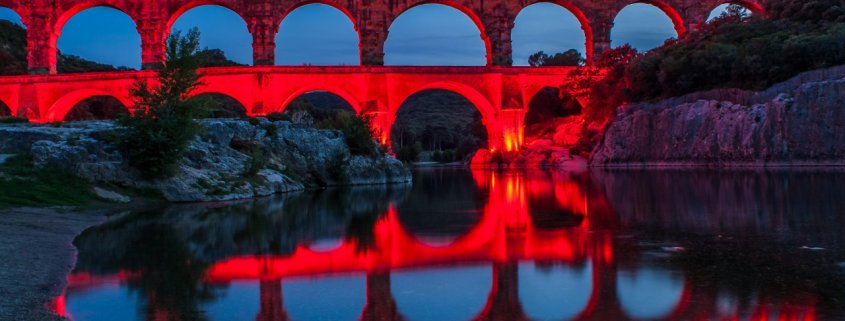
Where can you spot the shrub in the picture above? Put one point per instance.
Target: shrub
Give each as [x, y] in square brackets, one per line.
[409, 153]
[157, 135]
[277, 116]
[357, 130]
[13, 120]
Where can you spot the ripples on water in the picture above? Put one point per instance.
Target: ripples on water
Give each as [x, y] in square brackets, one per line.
[482, 245]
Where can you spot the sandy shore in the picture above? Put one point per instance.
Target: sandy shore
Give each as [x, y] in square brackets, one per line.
[36, 253]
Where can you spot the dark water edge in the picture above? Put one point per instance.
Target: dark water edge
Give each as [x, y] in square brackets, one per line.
[744, 244]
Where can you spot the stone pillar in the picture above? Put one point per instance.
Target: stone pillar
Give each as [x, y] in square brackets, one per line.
[694, 18]
[41, 41]
[263, 29]
[498, 28]
[601, 24]
[153, 42]
[373, 21]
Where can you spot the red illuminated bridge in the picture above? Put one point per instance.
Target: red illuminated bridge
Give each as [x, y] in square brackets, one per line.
[501, 93]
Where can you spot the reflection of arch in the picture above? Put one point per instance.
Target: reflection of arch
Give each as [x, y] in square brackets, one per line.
[677, 20]
[63, 105]
[5, 110]
[466, 11]
[560, 285]
[175, 15]
[330, 4]
[582, 19]
[349, 98]
[632, 289]
[310, 298]
[468, 288]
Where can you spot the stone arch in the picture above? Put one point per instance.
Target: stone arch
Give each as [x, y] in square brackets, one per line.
[346, 96]
[668, 10]
[477, 99]
[470, 13]
[66, 15]
[97, 108]
[582, 19]
[330, 3]
[236, 40]
[754, 7]
[187, 6]
[60, 108]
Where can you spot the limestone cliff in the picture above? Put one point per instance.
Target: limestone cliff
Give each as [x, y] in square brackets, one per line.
[798, 122]
[220, 164]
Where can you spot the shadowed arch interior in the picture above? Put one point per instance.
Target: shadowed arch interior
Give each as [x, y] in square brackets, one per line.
[97, 108]
[531, 30]
[314, 107]
[748, 9]
[437, 33]
[13, 54]
[460, 131]
[222, 105]
[318, 34]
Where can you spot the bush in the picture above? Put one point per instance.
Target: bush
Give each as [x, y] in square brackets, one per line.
[157, 135]
[277, 116]
[24, 185]
[358, 131]
[409, 153]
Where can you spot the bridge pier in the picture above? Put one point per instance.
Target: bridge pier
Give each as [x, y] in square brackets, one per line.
[263, 29]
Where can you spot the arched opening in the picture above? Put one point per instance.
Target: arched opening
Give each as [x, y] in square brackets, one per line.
[5, 111]
[550, 28]
[237, 300]
[223, 34]
[329, 297]
[442, 207]
[222, 106]
[549, 110]
[451, 294]
[438, 125]
[13, 36]
[554, 291]
[437, 35]
[728, 10]
[316, 108]
[317, 34]
[645, 26]
[98, 39]
[96, 108]
[650, 293]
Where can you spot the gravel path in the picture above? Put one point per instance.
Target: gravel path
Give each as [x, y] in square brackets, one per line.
[36, 254]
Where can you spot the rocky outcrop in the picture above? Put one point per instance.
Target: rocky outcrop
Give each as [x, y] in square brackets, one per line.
[803, 124]
[232, 159]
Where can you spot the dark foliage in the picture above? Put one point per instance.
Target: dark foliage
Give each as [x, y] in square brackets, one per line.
[569, 58]
[358, 131]
[97, 108]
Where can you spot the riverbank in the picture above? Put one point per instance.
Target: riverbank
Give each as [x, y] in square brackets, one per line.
[35, 257]
[231, 159]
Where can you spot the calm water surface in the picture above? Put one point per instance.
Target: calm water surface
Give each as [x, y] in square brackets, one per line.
[482, 245]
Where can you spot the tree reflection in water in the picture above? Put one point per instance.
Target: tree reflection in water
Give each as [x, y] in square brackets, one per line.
[720, 245]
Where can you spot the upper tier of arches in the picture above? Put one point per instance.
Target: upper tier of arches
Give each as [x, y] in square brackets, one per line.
[371, 19]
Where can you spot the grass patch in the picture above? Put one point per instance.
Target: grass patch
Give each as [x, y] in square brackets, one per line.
[21, 184]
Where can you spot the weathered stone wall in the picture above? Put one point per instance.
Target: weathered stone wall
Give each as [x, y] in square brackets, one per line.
[803, 125]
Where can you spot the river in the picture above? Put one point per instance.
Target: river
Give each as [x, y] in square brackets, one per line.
[483, 245]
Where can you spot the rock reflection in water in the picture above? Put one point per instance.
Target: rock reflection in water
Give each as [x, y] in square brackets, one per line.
[482, 245]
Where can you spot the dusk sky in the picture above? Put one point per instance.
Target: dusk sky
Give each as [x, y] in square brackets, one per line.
[321, 35]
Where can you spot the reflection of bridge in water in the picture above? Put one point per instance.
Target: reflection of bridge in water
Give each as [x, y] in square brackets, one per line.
[506, 235]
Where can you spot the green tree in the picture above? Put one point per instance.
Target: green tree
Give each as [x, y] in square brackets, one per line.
[157, 135]
[569, 58]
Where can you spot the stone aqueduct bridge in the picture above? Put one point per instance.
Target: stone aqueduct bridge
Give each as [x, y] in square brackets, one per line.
[501, 93]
